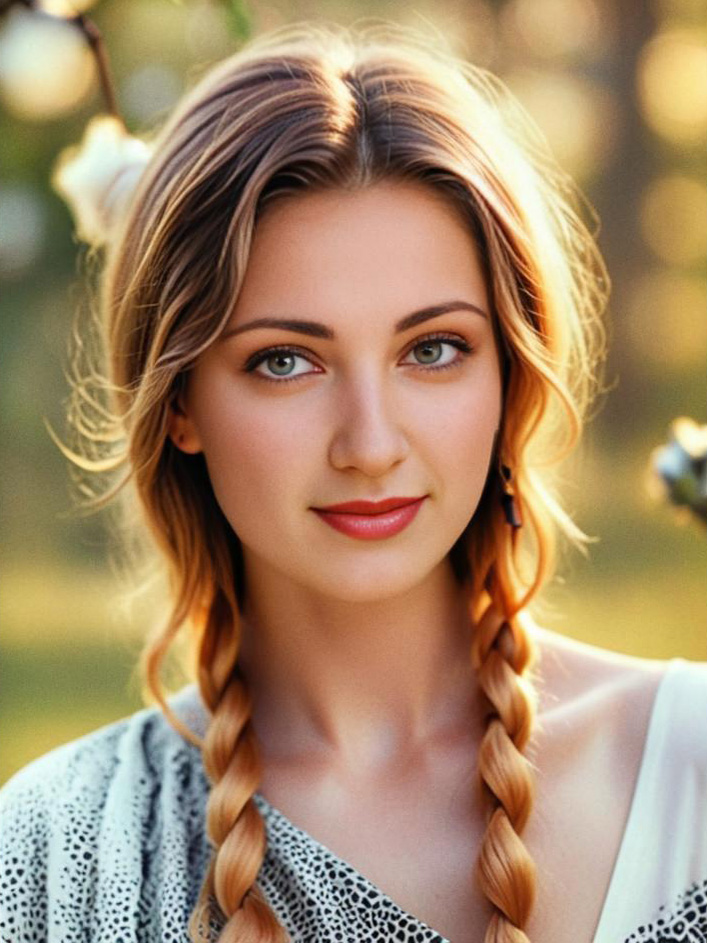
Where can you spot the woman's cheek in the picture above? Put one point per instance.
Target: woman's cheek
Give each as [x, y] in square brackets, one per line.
[254, 459]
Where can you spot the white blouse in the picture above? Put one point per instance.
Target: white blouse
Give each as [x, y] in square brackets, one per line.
[658, 888]
[103, 840]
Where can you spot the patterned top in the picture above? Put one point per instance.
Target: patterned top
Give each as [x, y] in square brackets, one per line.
[103, 840]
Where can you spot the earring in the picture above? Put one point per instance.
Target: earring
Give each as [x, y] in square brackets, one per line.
[511, 507]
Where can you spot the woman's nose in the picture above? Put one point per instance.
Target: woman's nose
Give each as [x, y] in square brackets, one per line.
[368, 435]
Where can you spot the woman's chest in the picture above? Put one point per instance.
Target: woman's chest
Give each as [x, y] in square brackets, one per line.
[425, 863]
[416, 837]
[419, 855]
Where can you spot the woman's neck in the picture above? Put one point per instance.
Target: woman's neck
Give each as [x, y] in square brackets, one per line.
[362, 681]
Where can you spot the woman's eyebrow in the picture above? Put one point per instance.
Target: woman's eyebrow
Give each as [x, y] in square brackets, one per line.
[317, 329]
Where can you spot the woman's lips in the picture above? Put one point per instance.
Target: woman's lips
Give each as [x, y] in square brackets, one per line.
[367, 525]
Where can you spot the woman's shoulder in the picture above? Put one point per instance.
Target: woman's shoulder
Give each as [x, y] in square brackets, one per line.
[623, 693]
[636, 729]
[94, 821]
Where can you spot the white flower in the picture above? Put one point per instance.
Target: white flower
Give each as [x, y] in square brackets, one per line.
[98, 176]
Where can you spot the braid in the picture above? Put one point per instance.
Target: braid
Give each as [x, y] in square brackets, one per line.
[501, 652]
[233, 823]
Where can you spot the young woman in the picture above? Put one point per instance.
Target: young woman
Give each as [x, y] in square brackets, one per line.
[352, 323]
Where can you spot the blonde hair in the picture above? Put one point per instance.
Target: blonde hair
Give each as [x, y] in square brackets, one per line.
[312, 107]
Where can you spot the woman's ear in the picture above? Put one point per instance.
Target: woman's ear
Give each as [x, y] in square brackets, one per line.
[181, 428]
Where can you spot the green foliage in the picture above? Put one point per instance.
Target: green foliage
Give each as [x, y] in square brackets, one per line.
[239, 19]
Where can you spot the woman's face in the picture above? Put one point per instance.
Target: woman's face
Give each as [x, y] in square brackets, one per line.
[357, 395]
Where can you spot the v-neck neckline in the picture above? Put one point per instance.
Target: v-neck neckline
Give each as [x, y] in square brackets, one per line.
[272, 814]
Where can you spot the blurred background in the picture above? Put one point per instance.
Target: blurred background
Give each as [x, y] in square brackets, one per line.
[619, 88]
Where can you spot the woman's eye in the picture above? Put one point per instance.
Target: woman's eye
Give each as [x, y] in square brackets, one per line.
[279, 364]
[439, 352]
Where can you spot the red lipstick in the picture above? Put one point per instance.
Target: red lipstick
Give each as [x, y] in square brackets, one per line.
[371, 520]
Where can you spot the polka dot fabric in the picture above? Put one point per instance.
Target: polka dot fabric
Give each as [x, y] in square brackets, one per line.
[103, 839]
[684, 922]
[319, 897]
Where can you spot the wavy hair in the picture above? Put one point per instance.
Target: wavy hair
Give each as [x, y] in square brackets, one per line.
[309, 107]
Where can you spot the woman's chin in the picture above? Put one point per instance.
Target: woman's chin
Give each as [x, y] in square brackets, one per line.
[376, 582]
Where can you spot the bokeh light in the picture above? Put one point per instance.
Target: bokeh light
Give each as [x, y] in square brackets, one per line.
[672, 85]
[581, 145]
[469, 25]
[23, 228]
[46, 66]
[207, 35]
[65, 7]
[149, 91]
[684, 11]
[147, 32]
[556, 29]
[666, 321]
[674, 219]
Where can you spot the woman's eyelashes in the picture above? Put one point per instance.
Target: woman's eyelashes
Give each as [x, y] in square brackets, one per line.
[431, 353]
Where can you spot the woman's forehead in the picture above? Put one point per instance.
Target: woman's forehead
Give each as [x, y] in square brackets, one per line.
[389, 204]
[392, 247]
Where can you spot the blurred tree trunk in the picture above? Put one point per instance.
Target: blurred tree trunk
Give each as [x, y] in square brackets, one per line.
[616, 196]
